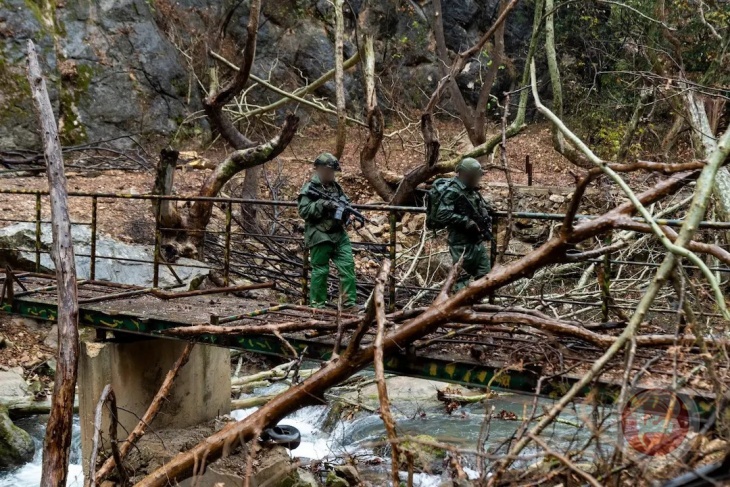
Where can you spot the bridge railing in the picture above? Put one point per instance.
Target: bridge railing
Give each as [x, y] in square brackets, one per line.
[273, 247]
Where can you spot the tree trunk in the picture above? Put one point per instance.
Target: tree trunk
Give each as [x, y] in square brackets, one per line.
[56, 446]
[705, 144]
[375, 125]
[670, 138]
[340, 79]
[201, 211]
[496, 57]
[464, 111]
[251, 190]
[519, 122]
[633, 124]
[559, 142]
[168, 216]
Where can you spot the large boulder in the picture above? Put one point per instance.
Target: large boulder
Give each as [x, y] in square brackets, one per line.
[12, 386]
[116, 261]
[16, 445]
[408, 393]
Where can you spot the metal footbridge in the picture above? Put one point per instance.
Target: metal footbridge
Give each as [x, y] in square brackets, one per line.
[506, 357]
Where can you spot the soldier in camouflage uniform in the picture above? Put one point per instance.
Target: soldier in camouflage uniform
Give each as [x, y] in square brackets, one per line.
[325, 237]
[456, 211]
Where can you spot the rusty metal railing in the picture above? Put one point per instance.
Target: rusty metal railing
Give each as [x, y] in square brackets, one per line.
[388, 246]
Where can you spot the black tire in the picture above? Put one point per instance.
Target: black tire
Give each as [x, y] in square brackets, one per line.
[284, 435]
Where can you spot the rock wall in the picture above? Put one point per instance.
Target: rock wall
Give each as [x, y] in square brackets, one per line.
[111, 71]
[115, 67]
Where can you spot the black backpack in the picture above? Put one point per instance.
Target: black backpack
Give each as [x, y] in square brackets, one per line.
[433, 201]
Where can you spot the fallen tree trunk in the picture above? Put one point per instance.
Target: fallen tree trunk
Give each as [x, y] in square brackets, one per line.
[27, 406]
[57, 443]
[287, 327]
[251, 402]
[560, 328]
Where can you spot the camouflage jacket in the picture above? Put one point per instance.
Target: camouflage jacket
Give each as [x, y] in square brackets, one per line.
[456, 209]
[319, 226]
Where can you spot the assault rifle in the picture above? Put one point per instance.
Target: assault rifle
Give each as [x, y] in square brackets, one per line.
[344, 213]
[480, 216]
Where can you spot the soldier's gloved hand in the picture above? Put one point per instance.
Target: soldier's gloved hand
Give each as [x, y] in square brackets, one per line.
[329, 205]
[471, 226]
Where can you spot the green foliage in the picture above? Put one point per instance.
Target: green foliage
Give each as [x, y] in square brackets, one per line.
[603, 131]
[606, 50]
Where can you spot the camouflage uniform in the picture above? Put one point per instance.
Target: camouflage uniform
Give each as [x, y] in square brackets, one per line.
[327, 240]
[453, 212]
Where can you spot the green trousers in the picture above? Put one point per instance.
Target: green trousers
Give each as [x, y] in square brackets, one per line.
[340, 254]
[476, 262]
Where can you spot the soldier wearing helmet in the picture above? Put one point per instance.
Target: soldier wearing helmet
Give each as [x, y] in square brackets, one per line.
[325, 236]
[465, 213]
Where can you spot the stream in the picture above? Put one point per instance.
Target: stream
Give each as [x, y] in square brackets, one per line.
[355, 437]
[29, 475]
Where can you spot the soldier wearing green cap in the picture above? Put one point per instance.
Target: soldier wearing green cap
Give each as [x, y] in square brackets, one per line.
[325, 237]
[460, 209]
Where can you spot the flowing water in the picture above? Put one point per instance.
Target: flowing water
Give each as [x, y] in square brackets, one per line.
[356, 437]
[29, 475]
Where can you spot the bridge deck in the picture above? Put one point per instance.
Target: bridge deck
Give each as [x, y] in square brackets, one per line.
[469, 356]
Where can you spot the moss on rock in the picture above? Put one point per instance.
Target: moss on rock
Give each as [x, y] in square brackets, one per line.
[16, 445]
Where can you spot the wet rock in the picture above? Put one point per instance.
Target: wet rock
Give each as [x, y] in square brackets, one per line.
[349, 473]
[459, 12]
[306, 479]
[333, 480]
[128, 271]
[410, 394]
[16, 445]
[333, 417]
[425, 457]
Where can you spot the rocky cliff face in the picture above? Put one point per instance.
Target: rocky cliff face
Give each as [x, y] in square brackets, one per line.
[110, 69]
[121, 68]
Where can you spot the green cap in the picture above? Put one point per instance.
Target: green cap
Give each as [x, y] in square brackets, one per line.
[327, 159]
[469, 164]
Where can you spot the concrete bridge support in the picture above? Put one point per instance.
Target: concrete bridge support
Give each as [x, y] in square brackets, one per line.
[135, 370]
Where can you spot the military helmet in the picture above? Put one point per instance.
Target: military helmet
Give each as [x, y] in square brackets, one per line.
[469, 164]
[328, 160]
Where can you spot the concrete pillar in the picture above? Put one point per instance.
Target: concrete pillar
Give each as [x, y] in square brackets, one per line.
[136, 370]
